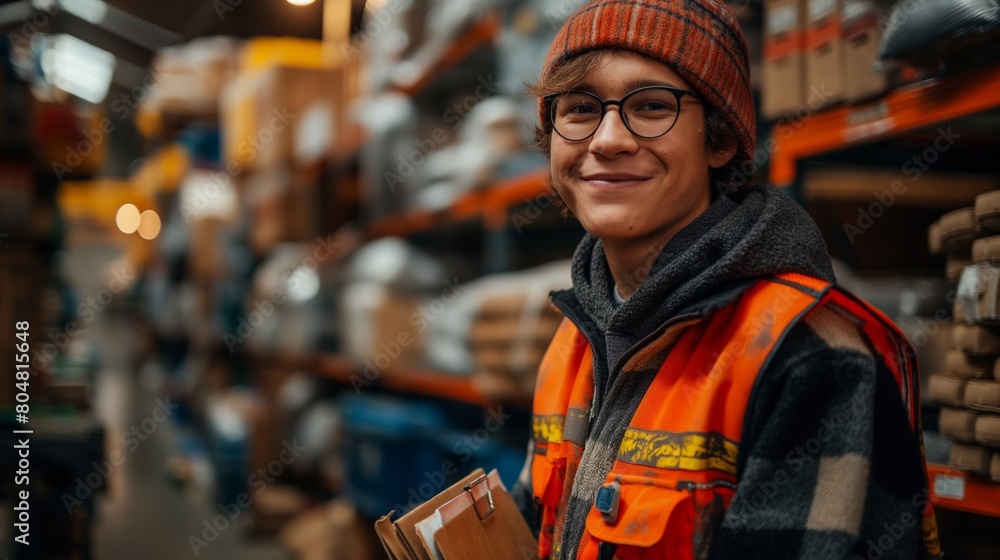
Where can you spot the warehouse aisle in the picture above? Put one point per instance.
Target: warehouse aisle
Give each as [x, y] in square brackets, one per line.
[143, 513]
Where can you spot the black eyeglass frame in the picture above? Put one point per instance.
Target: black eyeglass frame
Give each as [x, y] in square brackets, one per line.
[678, 93]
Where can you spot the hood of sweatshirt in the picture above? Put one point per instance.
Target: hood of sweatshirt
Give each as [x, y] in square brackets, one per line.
[741, 238]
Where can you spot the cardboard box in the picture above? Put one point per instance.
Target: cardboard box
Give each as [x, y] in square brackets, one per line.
[970, 457]
[381, 327]
[280, 116]
[934, 239]
[958, 314]
[191, 77]
[782, 90]
[236, 117]
[987, 210]
[206, 260]
[987, 430]
[295, 116]
[284, 208]
[509, 330]
[982, 394]
[861, 37]
[976, 340]
[958, 230]
[824, 50]
[503, 387]
[955, 265]
[960, 364]
[274, 506]
[335, 530]
[986, 249]
[958, 424]
[514, 359]
[949, 391]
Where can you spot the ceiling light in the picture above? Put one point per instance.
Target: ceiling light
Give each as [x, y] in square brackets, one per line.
[300, 2]
[92, 11]
[78, 68]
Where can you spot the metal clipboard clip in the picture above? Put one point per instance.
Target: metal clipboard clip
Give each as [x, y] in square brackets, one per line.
[489, 495]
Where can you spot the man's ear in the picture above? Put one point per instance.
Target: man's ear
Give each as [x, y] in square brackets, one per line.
[719, 159]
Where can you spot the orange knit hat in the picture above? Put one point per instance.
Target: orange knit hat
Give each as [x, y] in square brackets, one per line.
[699, 39]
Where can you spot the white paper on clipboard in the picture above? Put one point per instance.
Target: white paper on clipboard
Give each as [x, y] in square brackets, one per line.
[451, 509]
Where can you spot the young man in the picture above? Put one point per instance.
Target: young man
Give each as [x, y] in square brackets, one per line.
[711, 392]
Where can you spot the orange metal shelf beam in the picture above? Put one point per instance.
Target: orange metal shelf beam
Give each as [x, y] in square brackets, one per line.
[412, 380]
[911, 107]
[492, 203]
[981, 496]
[480, 33]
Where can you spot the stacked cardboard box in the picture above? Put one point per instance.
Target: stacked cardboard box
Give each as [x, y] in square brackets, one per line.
[824, 53]
[969, 390]
[279, 116]
[283, 206]
[335, 530]
[509, 336]
[188, 79]
[860, 34]
[818, 53]
[782, 90]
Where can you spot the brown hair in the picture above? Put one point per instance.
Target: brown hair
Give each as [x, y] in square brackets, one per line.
[719, 135]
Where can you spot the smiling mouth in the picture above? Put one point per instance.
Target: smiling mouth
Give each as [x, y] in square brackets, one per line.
[614, 180]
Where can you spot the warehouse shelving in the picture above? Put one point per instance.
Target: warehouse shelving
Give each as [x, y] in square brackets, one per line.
[398, 378]
[928, 103]
[419, 381]
[444, 56]
[491, 203]
[955, 489]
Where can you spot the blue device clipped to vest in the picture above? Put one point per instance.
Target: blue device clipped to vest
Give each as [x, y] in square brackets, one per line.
[607, 499]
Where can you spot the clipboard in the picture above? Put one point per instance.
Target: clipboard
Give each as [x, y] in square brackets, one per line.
[400, 539]
[482, 523]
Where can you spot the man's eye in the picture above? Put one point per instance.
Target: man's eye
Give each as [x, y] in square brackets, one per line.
[581, 109]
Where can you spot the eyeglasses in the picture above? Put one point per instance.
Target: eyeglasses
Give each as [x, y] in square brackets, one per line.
[648, 112]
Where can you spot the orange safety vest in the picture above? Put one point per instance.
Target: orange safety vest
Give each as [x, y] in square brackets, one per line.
[680, 449]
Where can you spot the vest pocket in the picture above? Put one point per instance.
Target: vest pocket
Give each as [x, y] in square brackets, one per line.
[653, 522]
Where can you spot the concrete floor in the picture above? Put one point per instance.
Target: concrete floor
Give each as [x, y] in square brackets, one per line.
[143, 514]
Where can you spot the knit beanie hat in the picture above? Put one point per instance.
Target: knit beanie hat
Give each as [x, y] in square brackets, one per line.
[699, 39]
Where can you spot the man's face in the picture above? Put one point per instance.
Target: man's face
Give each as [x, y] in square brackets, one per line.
[622, 187]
